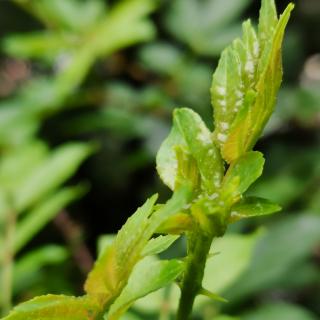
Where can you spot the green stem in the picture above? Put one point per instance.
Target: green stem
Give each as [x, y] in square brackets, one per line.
[199, 246]
[7, 263]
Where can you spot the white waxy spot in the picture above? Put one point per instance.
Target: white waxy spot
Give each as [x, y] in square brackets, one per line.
[186, 207]
[213, 196]
[224, 125]
[249, 67]
[223, 103]
[222, 137]
[239, 103]
[221, 203]
[210, 152]
[216, 183]
[239, 94]
[204, 137]
[221, 90]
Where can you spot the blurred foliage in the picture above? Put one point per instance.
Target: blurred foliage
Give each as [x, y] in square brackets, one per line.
[67, 74]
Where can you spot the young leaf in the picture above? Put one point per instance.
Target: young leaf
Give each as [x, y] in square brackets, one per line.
[248, 125]
[113, 268]
[167, 162]
[52, 307]
[177, 224]
[104, 279]
[131, 238]
[267, 21]
[158, 244]
[147, 276]
[241, 174]
[199, 141]
[251, 207]
[226, 94]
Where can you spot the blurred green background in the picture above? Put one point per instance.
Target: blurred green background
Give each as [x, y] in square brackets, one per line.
[87, 89]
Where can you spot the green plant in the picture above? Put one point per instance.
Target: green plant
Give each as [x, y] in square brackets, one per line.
[208, 172]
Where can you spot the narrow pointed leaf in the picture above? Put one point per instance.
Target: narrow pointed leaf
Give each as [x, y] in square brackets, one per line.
[131, 238]
[242, 173]
[177, 224]
[148, 276]
[158, 244]
[104, 279]
[55, 170]
[212, 295]
[252, 207]
[36, 219]
[113, 268]
[268, 20]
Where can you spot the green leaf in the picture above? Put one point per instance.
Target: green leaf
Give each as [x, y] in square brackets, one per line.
[167, 162]
[300, 232]
[113, 268]
[63, 162]
[53, 307]
[231, 257]
[158, 244]
[199, 141]
[251, 120]
[206, 27]
[268, 21]
[64, 15]
[226, 94]
[104, 241]
[179, 200]
[43, 213]
[28, 268]
[235, 252]
[43, 45]
[252, 207]
[177, 224]
[161, 57]
[241, 174]
[283, 311]
[148, 276]
[132, 237]
[120, 257]
[18, 163]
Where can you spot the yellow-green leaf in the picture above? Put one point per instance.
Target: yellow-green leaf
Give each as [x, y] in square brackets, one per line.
[200, 143]
[53, 307]
[241, 174]
[148, 276]
[250, 122]
[252, 207]
[167, 162]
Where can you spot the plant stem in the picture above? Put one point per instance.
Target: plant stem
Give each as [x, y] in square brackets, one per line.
[7, 263]
[198, 247]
